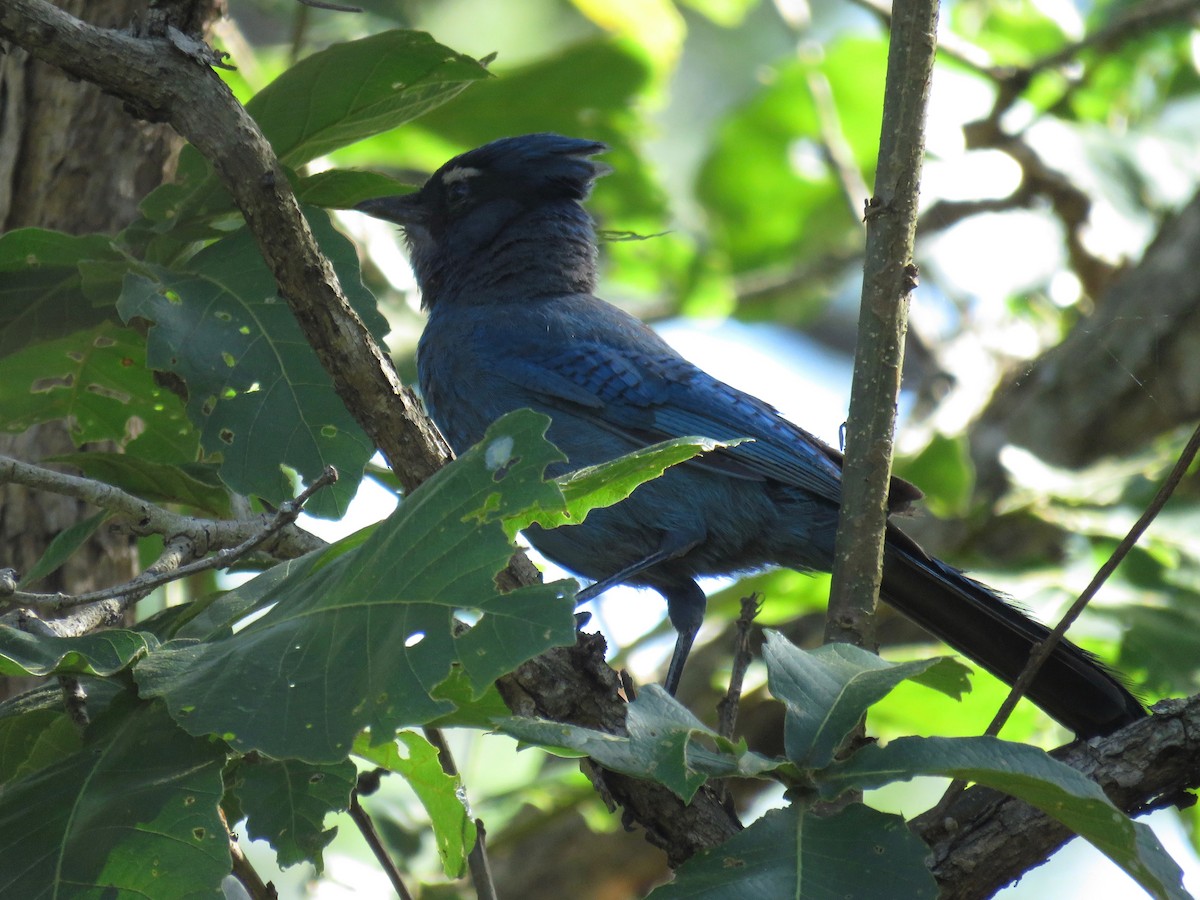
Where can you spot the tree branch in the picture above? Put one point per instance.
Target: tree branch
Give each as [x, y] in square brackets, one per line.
[143, 517]
[162, 81]
[170, 568]
[888, 278]
[986, 839]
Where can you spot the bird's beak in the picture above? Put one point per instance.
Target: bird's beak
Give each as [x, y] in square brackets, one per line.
[403, 209]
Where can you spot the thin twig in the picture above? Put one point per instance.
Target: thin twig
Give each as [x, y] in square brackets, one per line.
[243, 871]
[889, 277]
[333, 7]
[150, 579]
[146, 518]
[367, 828]
[727, 708]
[1044, 649]
[481, 866]
[477, 859]
[1120, 29]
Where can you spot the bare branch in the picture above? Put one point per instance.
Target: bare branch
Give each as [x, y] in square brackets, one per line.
[1043, 650]
[888, 280]
[146, 518]
[366, 827]
[168, 568]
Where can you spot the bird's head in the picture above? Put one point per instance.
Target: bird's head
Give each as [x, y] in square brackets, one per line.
[530, 186]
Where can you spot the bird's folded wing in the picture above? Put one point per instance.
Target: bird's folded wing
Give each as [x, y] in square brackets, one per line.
[649, 397]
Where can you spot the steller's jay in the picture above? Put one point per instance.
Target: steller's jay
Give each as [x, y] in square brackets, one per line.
[505, 257]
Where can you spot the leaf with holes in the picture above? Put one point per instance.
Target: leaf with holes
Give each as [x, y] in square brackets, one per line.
[363, 639]
[98, 381]
[256, 390]
[285, 802]
[41, 292]
[134, 813]
[337, 96]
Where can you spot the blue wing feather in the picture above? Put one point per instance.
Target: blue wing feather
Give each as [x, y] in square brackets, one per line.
[626, 379]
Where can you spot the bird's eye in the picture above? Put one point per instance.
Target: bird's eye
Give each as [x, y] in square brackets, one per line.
[457, 192]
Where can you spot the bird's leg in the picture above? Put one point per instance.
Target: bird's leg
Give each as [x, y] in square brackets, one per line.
[673, 546]
[685, 605]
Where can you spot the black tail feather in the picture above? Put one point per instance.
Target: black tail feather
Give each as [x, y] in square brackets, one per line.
[1073, 687]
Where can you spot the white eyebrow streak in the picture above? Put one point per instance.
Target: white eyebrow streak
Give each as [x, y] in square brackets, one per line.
[460, 174]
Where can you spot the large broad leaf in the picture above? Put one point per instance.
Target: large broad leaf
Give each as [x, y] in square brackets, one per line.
[1033, 776]
[100, 653]
[196, 486]
[664, 742]
[285, 802]
[353, 90]
[855, 854]
[344, 188]
[335, 97]
[413, 757]
[41, 289]
[132, 814]
[256, 390]
[364, 639]
[98, 381]
[829, 689]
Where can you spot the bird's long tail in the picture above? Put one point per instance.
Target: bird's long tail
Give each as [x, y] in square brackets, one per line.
[1073, 686]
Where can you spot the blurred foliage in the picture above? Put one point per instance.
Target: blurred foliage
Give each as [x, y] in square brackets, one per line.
[743, 136]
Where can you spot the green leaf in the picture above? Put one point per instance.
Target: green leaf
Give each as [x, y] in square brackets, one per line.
[611, 482]
[470, 711]
[64, 544]
[767, 187]
[1161, 641]
[285, 802]
[413, 757]
[665, 742]
[98, 381]
[1029, 774]
[195, 486]
[36, 739]
[35, 730]
[356, 89]
[334, 97]
[215, 617]
[256, 391]
[40, 248]
[829, 689]
[100, 653]
[363, 640]
[726, 13]
[855, 854]
[944, 471]
[133, 814]
[41, 291]
[343, 188]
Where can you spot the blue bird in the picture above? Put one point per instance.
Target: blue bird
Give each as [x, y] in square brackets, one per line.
[505, 257]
